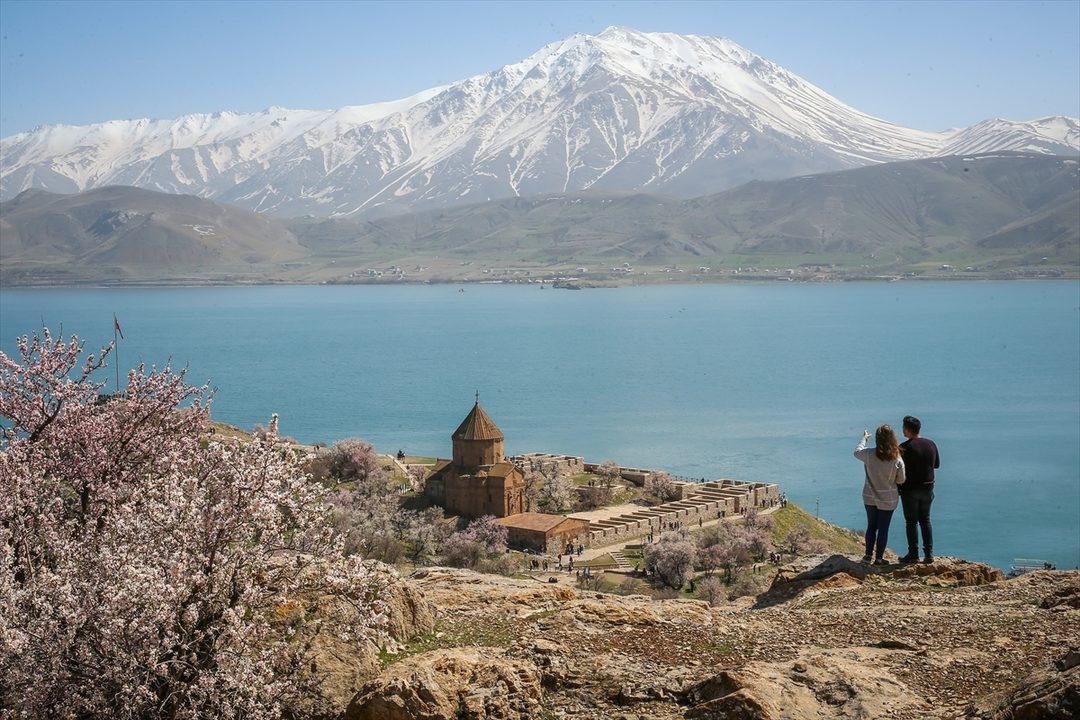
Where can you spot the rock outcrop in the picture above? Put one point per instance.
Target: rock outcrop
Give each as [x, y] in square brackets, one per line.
[950, 572]
[811, 576]
[1050, 693]
[455, 684]
[832, 638]
[850, 683]
[341, 668]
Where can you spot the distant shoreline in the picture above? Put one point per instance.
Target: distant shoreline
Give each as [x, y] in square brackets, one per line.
[580, 285]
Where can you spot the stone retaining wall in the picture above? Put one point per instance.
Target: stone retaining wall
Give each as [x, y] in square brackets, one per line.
[707, 501]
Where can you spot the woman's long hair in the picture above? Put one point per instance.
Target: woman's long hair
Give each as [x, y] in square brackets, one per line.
[887, 447]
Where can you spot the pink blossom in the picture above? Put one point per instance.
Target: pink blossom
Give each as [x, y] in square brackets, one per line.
[145, 565]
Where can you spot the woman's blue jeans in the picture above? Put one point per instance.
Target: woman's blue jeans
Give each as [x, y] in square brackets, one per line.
[877, 530]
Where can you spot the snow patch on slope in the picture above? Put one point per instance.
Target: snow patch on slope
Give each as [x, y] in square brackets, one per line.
[621, 110]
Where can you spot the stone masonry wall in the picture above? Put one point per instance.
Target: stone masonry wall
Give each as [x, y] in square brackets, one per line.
[706, 502]
[544, 463]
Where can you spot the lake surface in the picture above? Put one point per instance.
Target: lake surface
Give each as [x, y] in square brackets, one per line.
[756, 382]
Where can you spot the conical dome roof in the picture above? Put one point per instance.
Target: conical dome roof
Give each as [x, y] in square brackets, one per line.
[477, 426]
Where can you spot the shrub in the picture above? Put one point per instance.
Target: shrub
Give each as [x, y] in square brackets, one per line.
[749, 584]
[501, 564]
[712, 591]
[417, 475]
[149, 569]
[752, 518]
[556, 495]
[797, 540]
[671, 559]
[348, 461]
[724, 546]
[482, 541]
[756, 539]
[591, 498]
[608, 473]
[661, 486]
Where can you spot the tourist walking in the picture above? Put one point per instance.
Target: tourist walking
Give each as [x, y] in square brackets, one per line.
[884, 473]
[917, 493]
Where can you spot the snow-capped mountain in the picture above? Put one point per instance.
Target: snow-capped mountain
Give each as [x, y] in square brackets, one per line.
[1056, 135]
[622, 110]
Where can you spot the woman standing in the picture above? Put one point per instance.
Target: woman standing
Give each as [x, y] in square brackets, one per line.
[884, 472]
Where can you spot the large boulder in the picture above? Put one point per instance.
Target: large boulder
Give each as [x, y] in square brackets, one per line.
[814, 575]
[949, 572]
[341, 667]
[1050, 693]
[455, 684]
[829, 685]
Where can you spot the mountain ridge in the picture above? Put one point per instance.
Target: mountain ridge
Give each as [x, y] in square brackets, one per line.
[1001, 212]
[622, 110]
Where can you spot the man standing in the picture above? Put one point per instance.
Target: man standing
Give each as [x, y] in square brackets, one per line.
[921, 459]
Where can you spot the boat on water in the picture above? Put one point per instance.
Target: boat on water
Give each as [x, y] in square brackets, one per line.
[1022, 566]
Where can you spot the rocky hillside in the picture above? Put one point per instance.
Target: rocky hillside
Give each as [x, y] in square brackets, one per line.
[1001, 208]
[999, 212]
[830, 639]
[118, 233]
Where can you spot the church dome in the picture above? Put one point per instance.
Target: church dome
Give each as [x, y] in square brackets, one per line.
[477, 426]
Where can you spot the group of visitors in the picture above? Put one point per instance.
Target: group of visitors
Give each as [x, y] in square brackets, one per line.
[898, 473]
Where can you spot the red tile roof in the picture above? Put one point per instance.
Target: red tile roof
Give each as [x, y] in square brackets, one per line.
[541, 522]
[477, 426]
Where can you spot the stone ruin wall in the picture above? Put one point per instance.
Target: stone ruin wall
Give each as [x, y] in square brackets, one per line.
[690, 507]
[637, 476]
[688, 512]
[628, 530]
[545, 463]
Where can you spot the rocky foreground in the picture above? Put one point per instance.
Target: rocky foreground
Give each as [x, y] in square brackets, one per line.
[830, 639]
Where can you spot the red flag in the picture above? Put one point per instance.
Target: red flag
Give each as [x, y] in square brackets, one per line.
[116, 324]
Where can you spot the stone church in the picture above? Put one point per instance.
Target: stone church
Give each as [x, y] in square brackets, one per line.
[479, 480]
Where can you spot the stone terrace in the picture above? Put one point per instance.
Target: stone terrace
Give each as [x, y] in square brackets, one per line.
[704, 501]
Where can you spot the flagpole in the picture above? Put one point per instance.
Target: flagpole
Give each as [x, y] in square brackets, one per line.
[116, 349]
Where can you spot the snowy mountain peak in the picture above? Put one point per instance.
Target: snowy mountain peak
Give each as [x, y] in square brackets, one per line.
[619, 110]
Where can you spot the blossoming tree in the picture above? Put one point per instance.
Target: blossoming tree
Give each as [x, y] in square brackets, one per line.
[148, 569]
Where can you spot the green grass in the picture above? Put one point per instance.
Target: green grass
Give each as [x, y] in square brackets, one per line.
[791, 517]
[583, 478]
[603, 561]
[490, 633]
[419, 460]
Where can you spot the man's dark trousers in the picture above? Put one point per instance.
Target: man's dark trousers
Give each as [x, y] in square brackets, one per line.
[916, 502]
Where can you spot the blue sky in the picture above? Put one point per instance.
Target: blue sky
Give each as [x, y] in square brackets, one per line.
[924, 64]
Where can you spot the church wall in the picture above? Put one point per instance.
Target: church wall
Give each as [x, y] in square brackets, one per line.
[477, 453]
[475, 496]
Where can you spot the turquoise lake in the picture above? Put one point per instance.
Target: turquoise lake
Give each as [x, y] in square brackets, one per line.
[755, 382]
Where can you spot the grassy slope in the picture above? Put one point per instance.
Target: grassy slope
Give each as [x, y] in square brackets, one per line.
[837, 539]
[996, 213]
